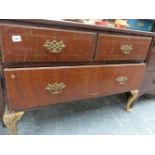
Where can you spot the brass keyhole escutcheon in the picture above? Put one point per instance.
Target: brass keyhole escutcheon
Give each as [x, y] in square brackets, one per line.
[55, 88]
[126, 49]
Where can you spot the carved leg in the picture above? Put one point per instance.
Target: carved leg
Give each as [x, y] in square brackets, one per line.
[132, 98]
[10, 119]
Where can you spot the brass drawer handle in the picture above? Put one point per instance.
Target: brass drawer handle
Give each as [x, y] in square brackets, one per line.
[55, 88]
[121, 79]
[126, 49]
[54, 46]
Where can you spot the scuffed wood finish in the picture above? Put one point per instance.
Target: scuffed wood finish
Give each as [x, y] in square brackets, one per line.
[26, 87]
[108, 47]
[80, 46]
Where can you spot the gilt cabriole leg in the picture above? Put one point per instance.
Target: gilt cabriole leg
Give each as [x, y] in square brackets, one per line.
[10, 119]
[132, 98]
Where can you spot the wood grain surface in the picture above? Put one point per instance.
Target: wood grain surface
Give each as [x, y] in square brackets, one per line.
[108, 47]
[79, 46]
[26, 87]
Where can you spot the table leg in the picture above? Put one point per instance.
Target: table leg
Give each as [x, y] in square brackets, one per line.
[132, 98]
[10, 119]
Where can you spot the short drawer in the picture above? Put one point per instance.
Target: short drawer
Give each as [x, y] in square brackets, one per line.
[33, 44]
[148, 82]
[122, 47]
[34, 87]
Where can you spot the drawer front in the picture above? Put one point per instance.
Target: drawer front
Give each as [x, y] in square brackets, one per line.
[119, 47]
[34, 87]
[30, 44]
[148, 82]
[151, 63]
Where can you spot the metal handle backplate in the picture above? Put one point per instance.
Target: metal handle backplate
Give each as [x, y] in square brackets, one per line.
[54, 46]
[126, 49]
[55, 88]
[121, 80]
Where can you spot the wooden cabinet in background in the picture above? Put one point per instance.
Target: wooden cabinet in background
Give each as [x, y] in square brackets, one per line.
[148, 84]
[1, 100]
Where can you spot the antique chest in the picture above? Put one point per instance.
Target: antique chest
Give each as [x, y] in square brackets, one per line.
[51, 62]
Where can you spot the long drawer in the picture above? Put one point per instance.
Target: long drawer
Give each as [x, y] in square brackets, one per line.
[33, 44]
[122, 47]
[34, 87]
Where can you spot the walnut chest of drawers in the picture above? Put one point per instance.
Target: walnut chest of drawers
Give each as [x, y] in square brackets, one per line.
[47, 62]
